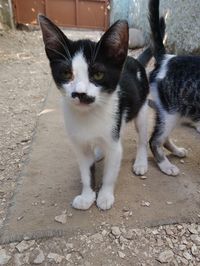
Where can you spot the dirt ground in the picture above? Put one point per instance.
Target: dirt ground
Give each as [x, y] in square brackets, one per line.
[24, 84]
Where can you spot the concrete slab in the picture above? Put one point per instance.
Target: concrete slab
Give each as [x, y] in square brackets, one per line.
[51, 180]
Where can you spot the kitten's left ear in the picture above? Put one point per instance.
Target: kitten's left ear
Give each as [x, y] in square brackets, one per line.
[114, 43]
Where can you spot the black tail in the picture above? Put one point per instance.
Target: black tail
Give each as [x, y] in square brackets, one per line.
[146, 56]
[157, 37]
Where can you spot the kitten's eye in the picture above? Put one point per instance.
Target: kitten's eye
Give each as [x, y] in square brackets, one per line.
[98, 75]
[68, 75]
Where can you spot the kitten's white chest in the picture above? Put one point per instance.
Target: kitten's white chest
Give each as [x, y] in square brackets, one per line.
[93, 126]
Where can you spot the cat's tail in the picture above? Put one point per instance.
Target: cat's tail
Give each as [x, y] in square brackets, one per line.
[158, 47]
[147, 54]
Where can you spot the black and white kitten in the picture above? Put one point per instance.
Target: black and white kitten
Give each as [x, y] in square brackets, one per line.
[175, 88]
[102, 89]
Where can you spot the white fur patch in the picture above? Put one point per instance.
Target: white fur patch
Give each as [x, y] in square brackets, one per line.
[171, 121]
[139, 75]
[93, 126]
[164, 67]
[80, 82]
[154, 93]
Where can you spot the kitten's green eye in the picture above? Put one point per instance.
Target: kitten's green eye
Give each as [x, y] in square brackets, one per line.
[98, 75]
[68, 75]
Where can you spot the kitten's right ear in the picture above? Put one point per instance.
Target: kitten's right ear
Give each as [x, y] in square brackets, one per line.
[56, 43]
[114, 43]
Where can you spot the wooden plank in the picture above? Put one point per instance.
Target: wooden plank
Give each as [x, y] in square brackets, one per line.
[91, 14]
[77, 12]
[62, 12]
[26, 11]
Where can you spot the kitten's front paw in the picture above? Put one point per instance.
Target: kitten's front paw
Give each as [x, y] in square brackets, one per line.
[105, 200]
[140, 168]
[181, 152]
[168, 168]
[84, 202]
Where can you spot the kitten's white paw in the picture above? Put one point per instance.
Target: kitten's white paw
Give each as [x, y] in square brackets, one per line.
[181, 152]
[98, 154]
[105, 200]
[84, 202]
[168, 168]
[140, 168]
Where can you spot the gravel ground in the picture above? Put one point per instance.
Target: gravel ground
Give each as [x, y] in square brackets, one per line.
[25, 78]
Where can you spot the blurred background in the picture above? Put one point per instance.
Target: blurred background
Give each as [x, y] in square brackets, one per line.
[182, 18]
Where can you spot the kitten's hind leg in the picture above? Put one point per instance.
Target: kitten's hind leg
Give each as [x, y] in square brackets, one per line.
[141, 123]
[86, 164]
[177, 151]
[165, 123]
[193, 124]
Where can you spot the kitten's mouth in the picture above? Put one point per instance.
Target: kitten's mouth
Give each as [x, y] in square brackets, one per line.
[82, 98]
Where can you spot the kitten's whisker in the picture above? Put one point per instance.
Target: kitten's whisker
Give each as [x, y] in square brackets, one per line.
[92, 51]
[51, 49]
[59, 60]
[96, 50]
[63, 45]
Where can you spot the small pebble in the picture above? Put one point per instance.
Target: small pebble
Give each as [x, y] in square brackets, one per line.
[165, 256]
[56, 257]
[145, 203]
[115, 231]
[20, 218]
[61, 218]
[143, 177]
[121, 254]
[169, 203]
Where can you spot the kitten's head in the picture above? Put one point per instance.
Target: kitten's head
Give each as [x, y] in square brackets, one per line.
[86, 72]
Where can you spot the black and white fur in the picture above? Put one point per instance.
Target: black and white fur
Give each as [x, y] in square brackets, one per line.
[95, 111]
[175, 88]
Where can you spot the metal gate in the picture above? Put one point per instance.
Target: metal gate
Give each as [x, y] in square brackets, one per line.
[91, 14]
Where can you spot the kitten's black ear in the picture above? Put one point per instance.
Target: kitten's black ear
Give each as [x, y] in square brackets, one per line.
[114, 43]
[56, 43]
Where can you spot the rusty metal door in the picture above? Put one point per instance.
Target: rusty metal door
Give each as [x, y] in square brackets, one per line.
[91, 14]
